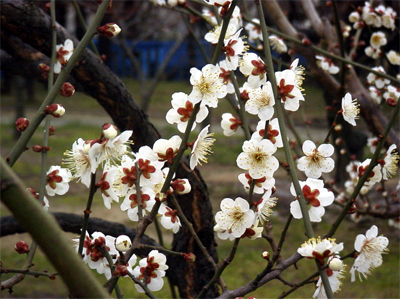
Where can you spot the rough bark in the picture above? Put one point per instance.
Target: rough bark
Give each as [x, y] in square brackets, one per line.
[32, 26]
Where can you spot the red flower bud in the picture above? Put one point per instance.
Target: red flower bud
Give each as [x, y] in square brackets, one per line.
[33, 192]
[306, 42]
[44, 68]
[37, 148]
[22, 123]
[189, 257]
[391, 102]
[109, 30]
[67, 90]
[121, 270]
[56, 110]
[352, 209]
[52, 130]
[21, 247]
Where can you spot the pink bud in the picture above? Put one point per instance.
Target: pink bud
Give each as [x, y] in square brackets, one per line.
[22, 123]
[109, 30]
[109, 131]
[33, 192]
[67, 90]
[189, 257]
[56, 110]
[21, 247]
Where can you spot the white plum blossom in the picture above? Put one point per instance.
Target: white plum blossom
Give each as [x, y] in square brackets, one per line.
[273, 132]
[81, 161]
[260, 185]
[316, 196]
[253, 67]
[123, 243]
[375, 94]
[225, 75]
[235, 216]
[149, 166]
[169, 218]
[166, 149]
[392, 93]
[318, 249]
[131, 202]
[254, 31]
[257, 158]
[350, 110]
[213, 36]
[393, 57]
[201, 147]
[151, 271]
[316, 160]
[207, 86]
[181, 186]
[379, 82]
[209, 16]
[112, 149]
[93, 255]
[327, 64]
[233, 48]
[289, 88]
[389, 162]
[181, 111]
[261, 102]
[374, 177]
[370, 16]
[388, 18]
[277, 44]
[370, 248]
[373, 52]
[378, 39]
[106, 185]
[63, 53]
[230, 124]
[58, 180]
[264, 206]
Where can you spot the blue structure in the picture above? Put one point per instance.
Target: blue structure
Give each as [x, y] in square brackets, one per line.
[151, 55]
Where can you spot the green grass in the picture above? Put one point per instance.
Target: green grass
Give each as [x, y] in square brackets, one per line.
[382, 283]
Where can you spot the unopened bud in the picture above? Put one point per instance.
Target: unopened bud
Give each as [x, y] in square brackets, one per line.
[21, 247]
[67, 90]
[109, 30]
[52, 130]
[391, 102]
[343, 151]
[265, 255]
[109, 131]
[352, 209]
[181, 186]
[189, 257]
[123, 243]
[336, 264]
[44, 68]
[56, 110]
[306, 42]
[338, 128]
[37, 148]
[21, 124]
